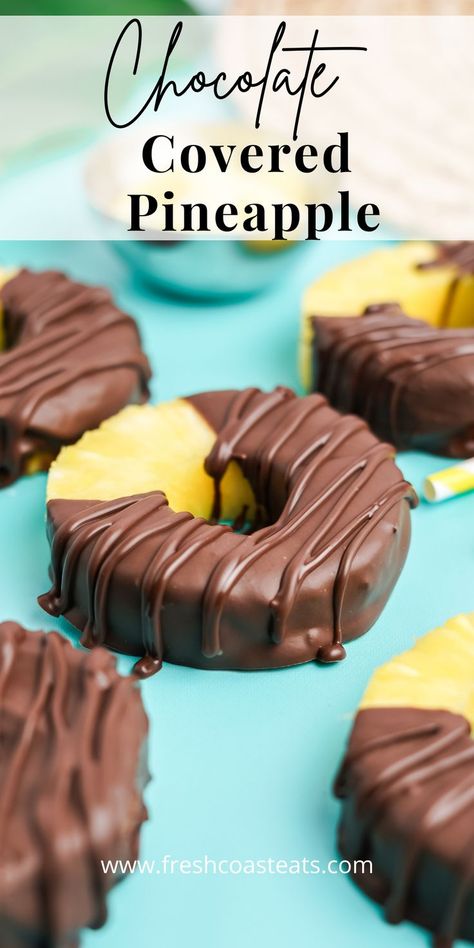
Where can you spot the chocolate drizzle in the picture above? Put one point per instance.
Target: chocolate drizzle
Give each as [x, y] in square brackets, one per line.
[453, 253]
[412, 383]
[73, 360]
[280, 595]
[65, 719]
[408, 785]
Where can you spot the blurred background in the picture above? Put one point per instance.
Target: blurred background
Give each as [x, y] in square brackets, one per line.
[260, 7]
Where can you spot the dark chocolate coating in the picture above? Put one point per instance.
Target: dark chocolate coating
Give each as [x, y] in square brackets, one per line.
[412, 383]
[142, 579]
[407, 785]
[72, 771]
[72, 360]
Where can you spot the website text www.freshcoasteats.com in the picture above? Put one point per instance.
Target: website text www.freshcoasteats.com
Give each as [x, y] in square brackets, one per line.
[206, 865]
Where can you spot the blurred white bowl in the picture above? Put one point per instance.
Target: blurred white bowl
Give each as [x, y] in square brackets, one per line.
[202, 267]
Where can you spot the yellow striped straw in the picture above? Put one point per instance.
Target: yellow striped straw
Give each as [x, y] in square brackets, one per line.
[451, 482]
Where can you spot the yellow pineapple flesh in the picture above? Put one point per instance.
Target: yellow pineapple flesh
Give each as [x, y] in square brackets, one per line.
[145, 448]
[390, 275]
[437, 673]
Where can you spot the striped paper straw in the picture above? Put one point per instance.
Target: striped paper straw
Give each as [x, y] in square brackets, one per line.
[451, 482]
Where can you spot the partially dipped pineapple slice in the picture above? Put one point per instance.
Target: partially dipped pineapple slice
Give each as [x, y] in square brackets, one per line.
[407, 781]
[145, 448]
[396, 274]
[437, 673]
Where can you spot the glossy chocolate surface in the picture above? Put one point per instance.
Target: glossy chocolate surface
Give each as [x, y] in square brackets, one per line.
[72, 771]
[407, 785]
[333, 536]
[412, 383]
[72, 359]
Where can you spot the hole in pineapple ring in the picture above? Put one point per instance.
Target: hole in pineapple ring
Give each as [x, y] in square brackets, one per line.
[152, 447]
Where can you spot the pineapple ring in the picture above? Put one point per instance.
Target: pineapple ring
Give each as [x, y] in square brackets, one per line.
[407, 782]
[403, 274]
[68, 358]
[136, 565]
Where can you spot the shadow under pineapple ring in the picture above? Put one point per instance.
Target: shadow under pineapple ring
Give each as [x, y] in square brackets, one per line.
[329, 531]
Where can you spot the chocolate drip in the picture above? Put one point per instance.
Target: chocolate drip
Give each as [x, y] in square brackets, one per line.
[68, 340]
[397, 373]
[61, 766]
[408, 783]
[327, 483]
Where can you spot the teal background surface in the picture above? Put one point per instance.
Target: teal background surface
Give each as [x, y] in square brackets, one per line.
[242, 763]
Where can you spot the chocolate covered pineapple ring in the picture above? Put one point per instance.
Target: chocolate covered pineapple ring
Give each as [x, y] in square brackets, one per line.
[407, 784]
[429, 281]
[69, 359]
[331, 521]
[72, 772]
[412, 382]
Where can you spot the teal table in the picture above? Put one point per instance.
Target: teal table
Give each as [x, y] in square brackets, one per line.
[242, 763]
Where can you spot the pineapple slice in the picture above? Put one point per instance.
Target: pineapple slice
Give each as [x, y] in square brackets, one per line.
[390, 275]
[437, 673]
[145, 448]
